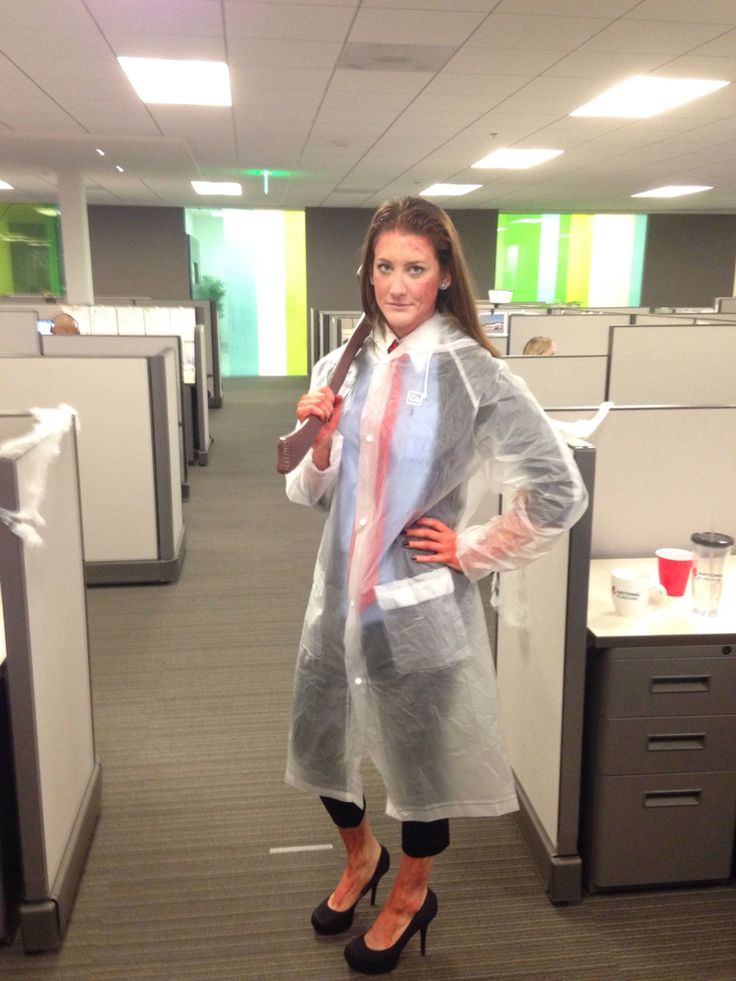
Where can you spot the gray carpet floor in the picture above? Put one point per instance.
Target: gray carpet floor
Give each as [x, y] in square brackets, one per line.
[192, 687]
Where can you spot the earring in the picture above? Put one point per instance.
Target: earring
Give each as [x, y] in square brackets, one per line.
[444, 286]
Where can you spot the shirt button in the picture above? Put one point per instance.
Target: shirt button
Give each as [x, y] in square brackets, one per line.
[369, 438]
[363, 522]
[358, 681]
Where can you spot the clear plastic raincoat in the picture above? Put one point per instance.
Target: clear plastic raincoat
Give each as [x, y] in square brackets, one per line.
[394, 659]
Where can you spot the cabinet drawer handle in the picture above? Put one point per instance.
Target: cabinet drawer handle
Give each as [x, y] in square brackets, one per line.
[679, 682]
[672, 798]
[671, 741]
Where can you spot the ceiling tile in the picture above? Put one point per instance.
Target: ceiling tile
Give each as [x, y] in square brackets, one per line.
[651, 37]
[285, 21]
[277, 55]
[159, 17]
[547, 32]
[448, 27]
[704, 12]
[189, 47]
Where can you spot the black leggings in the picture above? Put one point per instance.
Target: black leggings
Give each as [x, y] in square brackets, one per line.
[419, 839]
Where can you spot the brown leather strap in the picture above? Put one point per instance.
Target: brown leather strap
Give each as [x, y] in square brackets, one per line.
[291, 449]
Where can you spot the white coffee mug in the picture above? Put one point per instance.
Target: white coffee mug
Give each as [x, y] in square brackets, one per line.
[633, 590]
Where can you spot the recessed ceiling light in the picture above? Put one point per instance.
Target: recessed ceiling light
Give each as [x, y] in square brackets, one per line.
[167, 81]
[4, 186]
[217, 187]
[516, 159]
[101, 152]
[449, 190]
[647, 95]
[119, 169]
[673, 191]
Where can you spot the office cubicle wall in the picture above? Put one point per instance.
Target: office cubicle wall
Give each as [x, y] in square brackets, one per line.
[18, 334]
[57, 775]
[662, 472]
[206, 314]
[556, 380]
[673, 365]
[200, 414]
[171, 319]
[574, 333]
[726, 304]
[128, 456]
[540, 660]
[136, 346]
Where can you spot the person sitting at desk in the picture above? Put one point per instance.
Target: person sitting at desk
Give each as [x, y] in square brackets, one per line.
[540, 345]
[64, 323]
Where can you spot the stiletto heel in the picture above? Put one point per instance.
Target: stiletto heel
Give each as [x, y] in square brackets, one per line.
[368, 961]
[326, 920]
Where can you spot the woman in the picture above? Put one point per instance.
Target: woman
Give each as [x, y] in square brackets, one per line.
[394, 660]
[540, 345]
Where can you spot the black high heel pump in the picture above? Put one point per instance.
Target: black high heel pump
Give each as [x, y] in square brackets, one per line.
[328, 921]
[367, 961]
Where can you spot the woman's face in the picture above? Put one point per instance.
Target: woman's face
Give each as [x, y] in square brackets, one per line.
[406, 276]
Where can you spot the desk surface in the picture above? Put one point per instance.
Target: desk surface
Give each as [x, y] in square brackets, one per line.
[674, 618]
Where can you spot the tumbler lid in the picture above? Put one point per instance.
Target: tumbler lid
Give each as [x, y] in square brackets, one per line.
[712, 539]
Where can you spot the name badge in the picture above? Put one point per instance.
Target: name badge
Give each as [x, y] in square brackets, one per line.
[415, 398]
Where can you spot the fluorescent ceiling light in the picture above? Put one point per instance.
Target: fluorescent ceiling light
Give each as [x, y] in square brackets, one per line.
[449, 190]
[647, 95]
[167, 81]
[120, 170]
[4, 186]
[217, 187]
[673, 191]
[516, 159]
[101, 152]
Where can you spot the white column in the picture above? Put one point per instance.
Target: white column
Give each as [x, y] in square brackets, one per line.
[75, 237]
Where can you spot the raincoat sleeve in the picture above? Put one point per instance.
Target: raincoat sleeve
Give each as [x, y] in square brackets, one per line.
[525, 458]
[306, 484]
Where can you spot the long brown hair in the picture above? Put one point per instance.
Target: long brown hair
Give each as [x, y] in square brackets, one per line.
[417, 216]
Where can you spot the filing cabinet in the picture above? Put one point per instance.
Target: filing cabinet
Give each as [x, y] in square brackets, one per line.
[659, 796]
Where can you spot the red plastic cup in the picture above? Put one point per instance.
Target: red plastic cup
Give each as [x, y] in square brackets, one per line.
[674, 569]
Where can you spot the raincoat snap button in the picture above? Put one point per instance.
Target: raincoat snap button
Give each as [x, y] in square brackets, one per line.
[358, 681]
[363, 522]
[369, 438]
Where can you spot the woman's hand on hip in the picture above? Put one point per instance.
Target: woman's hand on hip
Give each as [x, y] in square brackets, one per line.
[435, 538]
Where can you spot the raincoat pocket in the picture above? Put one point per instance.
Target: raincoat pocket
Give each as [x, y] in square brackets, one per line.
[423, 622]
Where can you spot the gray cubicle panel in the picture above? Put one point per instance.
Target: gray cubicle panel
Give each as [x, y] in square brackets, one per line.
[206, 314]
[573, 333]
[662, 472]
[555, 380]
[200, 407]
[331, 328]
[540, 660]
[726, 304]
[673, 364]
[128, 456]
[654, 319]
[18, 334]
[58, 780]
[135, 346]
